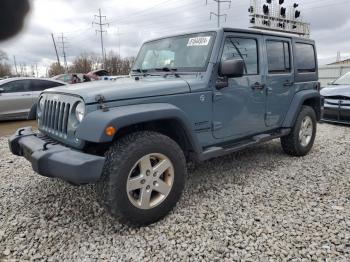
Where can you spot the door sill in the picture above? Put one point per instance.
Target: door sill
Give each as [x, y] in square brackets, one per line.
[217, 151]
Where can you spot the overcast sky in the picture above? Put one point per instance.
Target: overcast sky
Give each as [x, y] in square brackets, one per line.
[134, 21]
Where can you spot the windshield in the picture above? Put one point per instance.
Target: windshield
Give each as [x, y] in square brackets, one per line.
[180, 53]
[343, 80]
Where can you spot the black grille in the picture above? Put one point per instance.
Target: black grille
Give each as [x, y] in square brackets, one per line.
[55, 117]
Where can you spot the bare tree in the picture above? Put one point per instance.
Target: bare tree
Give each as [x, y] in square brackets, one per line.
[55, 69]
[5, 67]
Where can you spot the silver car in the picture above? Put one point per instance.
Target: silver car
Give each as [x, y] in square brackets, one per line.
[17, 95]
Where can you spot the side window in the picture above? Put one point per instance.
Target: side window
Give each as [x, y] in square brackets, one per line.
[245, 49]
[278, 56]
[16, 86]
[305, 58]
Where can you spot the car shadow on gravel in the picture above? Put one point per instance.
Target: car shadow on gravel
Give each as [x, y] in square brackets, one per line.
[58, 202]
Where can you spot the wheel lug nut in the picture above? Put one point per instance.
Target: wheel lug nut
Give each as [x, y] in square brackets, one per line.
[148, 173]
[148, 187]
[143, 181]
[155, 183]
[155, 174]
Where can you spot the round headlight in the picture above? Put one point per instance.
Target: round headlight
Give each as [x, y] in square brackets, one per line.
[80, 111]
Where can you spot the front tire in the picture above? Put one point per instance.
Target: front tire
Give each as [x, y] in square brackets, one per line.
[143, 178]
[302, 137]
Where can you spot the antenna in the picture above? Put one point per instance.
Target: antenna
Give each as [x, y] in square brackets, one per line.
[273, 15]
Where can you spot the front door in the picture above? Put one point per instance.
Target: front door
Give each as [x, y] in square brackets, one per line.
[239, 109]
[280, 79]
[16, 99]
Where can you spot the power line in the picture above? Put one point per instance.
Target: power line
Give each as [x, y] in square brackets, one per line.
[219, 14]
[101, 31]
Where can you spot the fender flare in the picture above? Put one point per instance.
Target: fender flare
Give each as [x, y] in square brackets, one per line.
[92, 128]
[297, 102]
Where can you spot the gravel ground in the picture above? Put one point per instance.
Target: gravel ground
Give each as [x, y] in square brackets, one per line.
[256, 205]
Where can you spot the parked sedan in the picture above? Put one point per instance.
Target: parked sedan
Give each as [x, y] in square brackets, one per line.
[336, 101]
[17, 95]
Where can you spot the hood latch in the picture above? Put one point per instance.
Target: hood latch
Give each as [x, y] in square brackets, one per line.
[100, 99]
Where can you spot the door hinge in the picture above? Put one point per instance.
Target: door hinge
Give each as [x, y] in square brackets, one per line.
[217, 96]
[217, 126]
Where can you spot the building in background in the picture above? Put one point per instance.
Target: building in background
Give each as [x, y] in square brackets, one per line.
[331, 72]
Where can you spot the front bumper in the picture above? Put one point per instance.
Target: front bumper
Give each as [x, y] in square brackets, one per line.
[51, 159]
[336, 114]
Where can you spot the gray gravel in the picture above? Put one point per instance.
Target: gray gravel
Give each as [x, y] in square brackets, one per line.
[256, 205]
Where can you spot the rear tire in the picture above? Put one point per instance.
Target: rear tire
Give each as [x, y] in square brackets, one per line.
[302, 137]
[143, 178]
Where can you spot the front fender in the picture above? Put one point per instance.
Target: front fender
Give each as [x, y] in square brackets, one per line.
[93, 126]
[297, 102]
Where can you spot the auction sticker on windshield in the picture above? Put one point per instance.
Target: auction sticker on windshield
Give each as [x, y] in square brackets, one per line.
[199, 41]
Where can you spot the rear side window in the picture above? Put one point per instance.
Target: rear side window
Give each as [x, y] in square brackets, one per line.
[278, 55]
[245, 49]
[40, 85]
[305, 58]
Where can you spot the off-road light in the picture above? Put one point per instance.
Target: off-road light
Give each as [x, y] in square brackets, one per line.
[297, 14]
[269, 1]
[295, 5]
[251, 9]
[266, 22]
[252, 21]
[282, 25]
[283, 11]
[266, 9]
[281, 2]
[80, 111]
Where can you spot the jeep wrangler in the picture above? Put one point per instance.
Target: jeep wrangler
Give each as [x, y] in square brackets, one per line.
[189, 97]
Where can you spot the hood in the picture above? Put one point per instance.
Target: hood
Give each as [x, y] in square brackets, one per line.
[336, 90]
[127, 88]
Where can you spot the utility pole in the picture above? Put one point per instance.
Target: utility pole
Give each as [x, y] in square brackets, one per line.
[219, 13]
[63, 43]
[36, 69]
[101, 31]
[54, 44]
[15, 63]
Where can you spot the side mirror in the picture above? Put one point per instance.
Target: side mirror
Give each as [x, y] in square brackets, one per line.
[232, 68]
[330, 83]
[1, 90]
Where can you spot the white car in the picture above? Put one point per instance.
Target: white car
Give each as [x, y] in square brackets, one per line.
[18, 95]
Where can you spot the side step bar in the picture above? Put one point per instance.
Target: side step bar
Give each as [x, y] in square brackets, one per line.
[213, 152]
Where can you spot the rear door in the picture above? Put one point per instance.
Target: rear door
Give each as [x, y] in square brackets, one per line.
[16, 100]
[279, 80]
[39, 85]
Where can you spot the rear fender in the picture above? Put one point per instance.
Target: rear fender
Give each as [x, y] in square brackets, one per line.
[302, 98]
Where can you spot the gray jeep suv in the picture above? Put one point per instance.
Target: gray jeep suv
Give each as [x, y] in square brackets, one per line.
[190, 97]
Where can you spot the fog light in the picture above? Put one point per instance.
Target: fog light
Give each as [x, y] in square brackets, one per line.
[110, 131]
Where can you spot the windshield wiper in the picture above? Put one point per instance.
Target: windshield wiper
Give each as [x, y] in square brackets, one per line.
[165, 69]
[139, 70]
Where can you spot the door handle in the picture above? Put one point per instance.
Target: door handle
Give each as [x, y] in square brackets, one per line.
[258, 86]
[288, 83]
